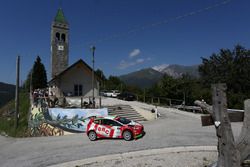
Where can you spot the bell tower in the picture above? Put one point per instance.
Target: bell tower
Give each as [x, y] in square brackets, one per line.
[59, 44]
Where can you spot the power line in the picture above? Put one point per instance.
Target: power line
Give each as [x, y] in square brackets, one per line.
[159, 23]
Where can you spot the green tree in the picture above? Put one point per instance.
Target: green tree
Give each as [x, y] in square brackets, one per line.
[185, 88]
[230, 67]
[26, 85]
[168, 86]
[114, 82]
[102, 77]
[37, 75]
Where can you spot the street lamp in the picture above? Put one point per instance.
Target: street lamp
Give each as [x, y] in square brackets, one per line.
[93, 75]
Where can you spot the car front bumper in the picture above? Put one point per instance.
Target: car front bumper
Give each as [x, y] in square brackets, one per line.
[140, 135]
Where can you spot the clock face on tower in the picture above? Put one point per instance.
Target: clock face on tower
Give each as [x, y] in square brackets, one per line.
[60, 47]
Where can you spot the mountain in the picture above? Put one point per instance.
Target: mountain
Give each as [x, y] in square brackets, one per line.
[7, 92]
[177, 71]
[161, 68]
[143, 78]
[147, 77]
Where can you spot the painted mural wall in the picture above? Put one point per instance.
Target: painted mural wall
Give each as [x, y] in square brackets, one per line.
[74, 119]
[51, 121]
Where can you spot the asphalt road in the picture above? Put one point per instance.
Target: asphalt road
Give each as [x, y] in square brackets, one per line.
[172, 129]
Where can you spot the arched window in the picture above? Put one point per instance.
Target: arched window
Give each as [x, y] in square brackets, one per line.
[63, 37]
[57, 36]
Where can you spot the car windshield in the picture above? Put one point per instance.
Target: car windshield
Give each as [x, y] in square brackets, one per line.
[123, 120]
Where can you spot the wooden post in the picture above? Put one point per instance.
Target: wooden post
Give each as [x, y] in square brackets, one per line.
[152, 100]
[170, 104]
[158, 101]
[228, 155]
[243, 142]
[231, 154]
[17, 92]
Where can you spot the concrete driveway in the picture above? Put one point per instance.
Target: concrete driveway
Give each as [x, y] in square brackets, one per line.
[174, 128]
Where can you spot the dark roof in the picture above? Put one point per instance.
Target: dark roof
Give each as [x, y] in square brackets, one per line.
[80, 61]
[60, 16]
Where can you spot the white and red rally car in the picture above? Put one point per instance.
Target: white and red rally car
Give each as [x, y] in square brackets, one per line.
[114, 127]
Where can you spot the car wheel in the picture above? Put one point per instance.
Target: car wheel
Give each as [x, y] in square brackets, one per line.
[127, 135]
[92, 136]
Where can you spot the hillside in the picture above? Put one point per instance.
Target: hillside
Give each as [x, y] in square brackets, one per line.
[143, 78]
[7, 92]
[7, 119]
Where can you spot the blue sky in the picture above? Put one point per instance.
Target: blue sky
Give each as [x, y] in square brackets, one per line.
[128, 34]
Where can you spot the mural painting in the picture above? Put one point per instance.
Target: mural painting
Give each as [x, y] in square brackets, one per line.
[57, 121]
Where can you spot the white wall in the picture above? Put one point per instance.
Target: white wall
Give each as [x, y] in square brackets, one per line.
[79, 74]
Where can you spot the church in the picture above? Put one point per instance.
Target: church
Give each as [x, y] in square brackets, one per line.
[73, 80]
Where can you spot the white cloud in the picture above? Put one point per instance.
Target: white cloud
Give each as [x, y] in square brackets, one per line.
[134, 53]
[124, 64]
[139, 61]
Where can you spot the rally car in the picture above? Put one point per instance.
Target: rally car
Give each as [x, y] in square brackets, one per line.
[114, 127]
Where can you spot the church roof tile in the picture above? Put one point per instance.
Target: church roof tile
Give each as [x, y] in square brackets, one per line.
[60, 16]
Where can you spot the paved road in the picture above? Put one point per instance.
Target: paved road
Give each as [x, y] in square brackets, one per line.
[173, 129]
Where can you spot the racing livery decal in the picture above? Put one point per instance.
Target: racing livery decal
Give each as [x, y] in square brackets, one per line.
[114, 127]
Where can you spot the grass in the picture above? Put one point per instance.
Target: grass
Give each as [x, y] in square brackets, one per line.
[7, 123]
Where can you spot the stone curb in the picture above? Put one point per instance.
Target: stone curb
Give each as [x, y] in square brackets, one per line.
[137, 154]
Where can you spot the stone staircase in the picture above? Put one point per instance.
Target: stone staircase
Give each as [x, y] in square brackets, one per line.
[125, 111]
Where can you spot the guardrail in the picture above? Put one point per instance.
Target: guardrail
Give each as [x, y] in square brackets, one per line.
[159, 100]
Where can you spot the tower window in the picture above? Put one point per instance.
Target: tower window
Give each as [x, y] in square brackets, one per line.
[57, 36]
[63, 37]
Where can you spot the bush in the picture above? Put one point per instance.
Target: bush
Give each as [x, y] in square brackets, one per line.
[7, 123]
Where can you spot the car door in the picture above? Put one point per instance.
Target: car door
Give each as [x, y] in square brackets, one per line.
[116, 129]
[104, 129]
[101, 129]
[109, 128]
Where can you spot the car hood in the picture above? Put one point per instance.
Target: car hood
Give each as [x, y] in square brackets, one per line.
[133, 123]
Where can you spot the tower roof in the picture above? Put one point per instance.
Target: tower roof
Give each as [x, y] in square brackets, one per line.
[60, 16]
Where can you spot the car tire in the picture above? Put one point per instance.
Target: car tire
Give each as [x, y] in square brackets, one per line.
[92, 136]
[127, 135]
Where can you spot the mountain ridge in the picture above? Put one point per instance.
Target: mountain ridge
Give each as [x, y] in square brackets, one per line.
[143, 78]
[146, 77]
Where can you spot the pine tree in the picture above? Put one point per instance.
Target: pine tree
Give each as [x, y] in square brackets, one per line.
[39, 76]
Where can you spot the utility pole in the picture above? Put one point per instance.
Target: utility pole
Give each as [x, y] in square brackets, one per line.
[93, 75]
[17, 92]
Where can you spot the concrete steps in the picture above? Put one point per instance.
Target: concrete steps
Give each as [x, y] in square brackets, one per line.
[125, 111]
